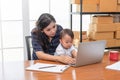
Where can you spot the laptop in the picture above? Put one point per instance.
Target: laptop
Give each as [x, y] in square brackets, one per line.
[90, 52]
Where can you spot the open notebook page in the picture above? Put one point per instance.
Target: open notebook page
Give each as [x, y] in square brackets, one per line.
[56, 68]
[114, 66]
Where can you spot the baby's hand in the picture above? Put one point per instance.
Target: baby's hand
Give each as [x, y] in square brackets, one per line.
[67, 59]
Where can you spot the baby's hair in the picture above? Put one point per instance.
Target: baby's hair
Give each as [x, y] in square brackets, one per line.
[68, 32]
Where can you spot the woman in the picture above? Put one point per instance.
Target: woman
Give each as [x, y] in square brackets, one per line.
[45, 39]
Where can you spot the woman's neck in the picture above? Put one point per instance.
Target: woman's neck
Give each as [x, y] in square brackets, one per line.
[50, 38]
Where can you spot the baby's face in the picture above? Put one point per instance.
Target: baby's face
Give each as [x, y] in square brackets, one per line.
[66, 41]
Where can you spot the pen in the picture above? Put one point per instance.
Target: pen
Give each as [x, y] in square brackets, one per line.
[64, 68]
[46, 67]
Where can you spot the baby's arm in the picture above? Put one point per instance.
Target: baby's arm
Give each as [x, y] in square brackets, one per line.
[74, 53]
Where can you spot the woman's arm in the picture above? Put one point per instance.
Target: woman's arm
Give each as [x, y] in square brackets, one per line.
[62, 58]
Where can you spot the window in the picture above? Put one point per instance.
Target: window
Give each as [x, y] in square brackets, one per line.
[11, 33]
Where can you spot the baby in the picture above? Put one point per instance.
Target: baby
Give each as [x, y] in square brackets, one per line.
[66, 44]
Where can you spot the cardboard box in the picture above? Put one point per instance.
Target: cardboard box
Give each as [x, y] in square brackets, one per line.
[77, 35]
[85, 1]
[87, 8]
[117, 41]
[101, 35]
[108, 6]
[117, 34]
[86, 40]
[118, 8]
[117, 25]
[102, 19]
[118, 1]
[104, 27]
[101, 27]
[75, 1]
[111, 42]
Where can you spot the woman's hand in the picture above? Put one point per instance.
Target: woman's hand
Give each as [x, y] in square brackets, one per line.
[66, 59]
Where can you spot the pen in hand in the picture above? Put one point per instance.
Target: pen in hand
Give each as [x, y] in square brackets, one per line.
[46, 67]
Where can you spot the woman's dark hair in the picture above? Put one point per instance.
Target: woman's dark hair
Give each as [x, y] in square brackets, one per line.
[68, 32]
[43, 21]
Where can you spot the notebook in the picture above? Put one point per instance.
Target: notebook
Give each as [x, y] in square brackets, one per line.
[55, 68]
[114, 66]
[90, 52]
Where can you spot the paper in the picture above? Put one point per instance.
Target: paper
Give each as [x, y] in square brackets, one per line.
[48, 67]
[115, 66]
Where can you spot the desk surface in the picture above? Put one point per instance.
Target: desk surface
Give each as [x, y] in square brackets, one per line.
[16, 71]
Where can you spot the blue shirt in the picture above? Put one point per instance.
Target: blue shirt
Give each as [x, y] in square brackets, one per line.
[52, 45]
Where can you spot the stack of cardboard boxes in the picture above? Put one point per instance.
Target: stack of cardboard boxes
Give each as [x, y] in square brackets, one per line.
[96, 5]
[102, 27]
[117, 34]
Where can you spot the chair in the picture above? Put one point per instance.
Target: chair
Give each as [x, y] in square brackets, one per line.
[29, 47]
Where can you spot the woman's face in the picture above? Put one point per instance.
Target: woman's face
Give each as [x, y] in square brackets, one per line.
[66, 41]
[50, 30]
